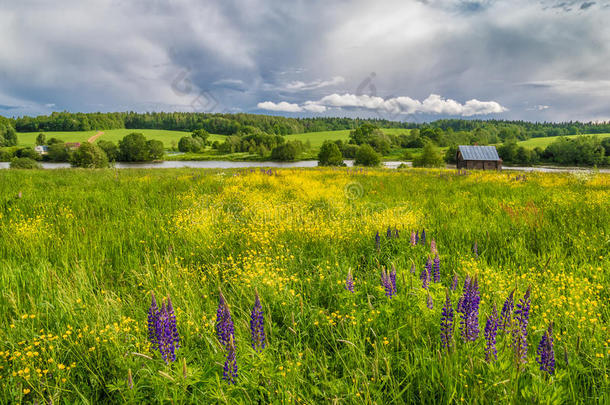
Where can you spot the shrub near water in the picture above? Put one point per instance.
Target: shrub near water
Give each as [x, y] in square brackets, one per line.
[80, 255]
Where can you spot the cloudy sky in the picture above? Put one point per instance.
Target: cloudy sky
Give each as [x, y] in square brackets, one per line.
[412, 60]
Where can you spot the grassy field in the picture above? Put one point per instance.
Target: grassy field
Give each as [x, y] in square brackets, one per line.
[168, 138]
[544, 142]
[316, 139]
[82, 251]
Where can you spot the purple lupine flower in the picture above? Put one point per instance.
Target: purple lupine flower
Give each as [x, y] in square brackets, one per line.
[455, 282]
[396, 232]
[433, 250]
[437, 269]
[491, 329]
[225, 330]
[416, 237]
[153, 321]
[388, 233]
[506, 316]
[386, 283]
[423, 236]
[413, 241]
[393, 278]
[349, 282]
[468, 306]
[475, 249]
[230, 367]
[546, 353]
[377, 240]
[257, 325]
[173, 338]
[522, 314]
[424, 276]
[429, 302]
[447, 323]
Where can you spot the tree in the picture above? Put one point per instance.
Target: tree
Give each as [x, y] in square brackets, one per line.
[111, 150]
[285, 152]
[202, 134]
[430, 157]
[58, 153]
[366, 156]
[28, 153]
[133, 148]
[41, 139]
[156, 150]
[52, 141]
[24, 163]
[364, 133]
[8, 136]
[189, 144]
[451, 154]
[90, 156]
[330, 155]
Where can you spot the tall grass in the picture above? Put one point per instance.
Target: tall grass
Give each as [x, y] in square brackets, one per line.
[81, 251]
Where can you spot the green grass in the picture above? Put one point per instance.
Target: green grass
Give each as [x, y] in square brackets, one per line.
[82, 250]
[316, 139]
[544, 142]
[168, 138]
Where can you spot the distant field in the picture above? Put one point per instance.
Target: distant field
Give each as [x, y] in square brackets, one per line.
[114, 135]
[544, 142]
[317, 138]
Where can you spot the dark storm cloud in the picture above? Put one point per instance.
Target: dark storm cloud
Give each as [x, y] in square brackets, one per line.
[533, 60]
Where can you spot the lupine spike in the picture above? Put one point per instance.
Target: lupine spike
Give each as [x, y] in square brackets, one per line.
[224, 324]
[437, 269]
[522, 313]
[153, 320]
[491, 329]
[396, 233]
[429, 302]
[162, 330]
[546, 352]
[447, 323]
[413, 241]
[257, 325]
[423, 236]
[377, 240]
[475, 249]
[389, 233]
[468, 306]
[416, 237]
[349, 281]
[425, 278]
[386, 283]
[506, 316]
[230, 367]
[393, 278]
[433, 250]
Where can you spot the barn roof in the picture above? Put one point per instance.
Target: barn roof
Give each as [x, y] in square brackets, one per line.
[470, 152]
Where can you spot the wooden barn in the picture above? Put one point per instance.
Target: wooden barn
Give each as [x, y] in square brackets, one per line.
[478, 157]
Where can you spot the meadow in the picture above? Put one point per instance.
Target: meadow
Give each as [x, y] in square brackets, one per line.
[546, 141]
[82, 252]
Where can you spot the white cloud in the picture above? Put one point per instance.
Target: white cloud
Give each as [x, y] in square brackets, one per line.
[316, 84]
[434, 104]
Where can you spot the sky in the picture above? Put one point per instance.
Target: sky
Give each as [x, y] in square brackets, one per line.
[407, 60]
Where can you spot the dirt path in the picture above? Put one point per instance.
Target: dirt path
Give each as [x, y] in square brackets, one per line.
[94, 137]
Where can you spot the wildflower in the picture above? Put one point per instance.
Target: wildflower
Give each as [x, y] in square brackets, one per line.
[491, 328]
[395, 232]
[454, 284]
[423, 236]
[475, 249]
[230, 367]
[377, 240]
[393, 278]
[413, 241]
[437, 269]
[522, 313]
[389, 233]
[424, 276]
[349, 282]
[433, 250]
[386, 283]
[447, 323]
[507, 312]
[416, 237]
[468, 306]
[257, 325]
[546, 354]
[224, 324]
[429, 302]
[162, 330]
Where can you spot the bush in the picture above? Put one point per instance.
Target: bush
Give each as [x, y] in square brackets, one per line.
[90, 156]
[190, 144]
[28, 153]
[58, 153]
[349, 151]
[8, 136]
[6, 154]
[133, 148]
[430, 157]
[156, 150]
[330, 155]
[202, 135]
[366, 156]
[286, 152]
[24, 163]
[41, 139]
[52, 141]
[111, 150]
